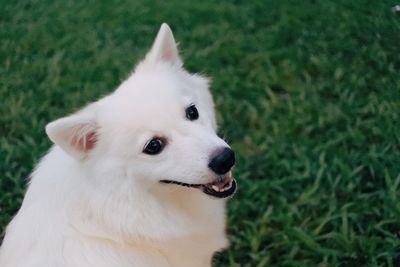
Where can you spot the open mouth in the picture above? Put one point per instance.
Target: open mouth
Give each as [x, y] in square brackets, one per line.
[224, 186]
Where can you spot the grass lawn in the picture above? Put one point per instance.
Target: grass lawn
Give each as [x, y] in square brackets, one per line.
[307, 92]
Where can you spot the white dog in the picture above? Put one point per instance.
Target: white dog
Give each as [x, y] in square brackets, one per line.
[137, 178]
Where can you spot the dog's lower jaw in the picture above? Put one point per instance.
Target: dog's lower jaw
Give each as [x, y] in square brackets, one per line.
[222, 187]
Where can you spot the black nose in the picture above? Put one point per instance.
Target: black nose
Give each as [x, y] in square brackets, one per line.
[223, 161]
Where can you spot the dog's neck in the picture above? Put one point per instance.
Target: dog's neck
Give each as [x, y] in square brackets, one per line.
[133, 217]
[133, 214]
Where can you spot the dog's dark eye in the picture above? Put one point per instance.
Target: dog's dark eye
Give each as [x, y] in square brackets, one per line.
[192, 113]
[154, 146]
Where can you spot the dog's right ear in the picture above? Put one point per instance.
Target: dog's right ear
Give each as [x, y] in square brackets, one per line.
[164, 48]
[75, 134]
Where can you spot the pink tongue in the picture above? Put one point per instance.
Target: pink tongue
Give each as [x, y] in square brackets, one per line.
[223, 183]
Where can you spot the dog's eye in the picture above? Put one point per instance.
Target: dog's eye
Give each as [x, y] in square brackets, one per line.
[192, 113]
[154, 146]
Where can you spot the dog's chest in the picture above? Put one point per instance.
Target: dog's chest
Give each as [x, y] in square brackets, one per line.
[196, 252]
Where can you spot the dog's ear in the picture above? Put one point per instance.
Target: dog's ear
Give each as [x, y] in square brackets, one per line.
[75, 134]
[164, 47]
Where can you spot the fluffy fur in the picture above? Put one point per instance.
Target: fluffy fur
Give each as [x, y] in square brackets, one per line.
[95, 199]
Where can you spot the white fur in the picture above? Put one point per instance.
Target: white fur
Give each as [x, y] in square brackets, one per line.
[101, 204]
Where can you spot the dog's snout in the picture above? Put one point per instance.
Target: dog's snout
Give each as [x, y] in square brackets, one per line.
[223, 161]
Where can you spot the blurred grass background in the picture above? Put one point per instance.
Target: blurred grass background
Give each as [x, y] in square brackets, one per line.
[307, 93]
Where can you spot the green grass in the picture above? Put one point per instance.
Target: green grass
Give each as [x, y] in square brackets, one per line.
[307, 92]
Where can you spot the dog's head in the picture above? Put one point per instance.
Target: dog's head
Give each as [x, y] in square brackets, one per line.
[158, 128]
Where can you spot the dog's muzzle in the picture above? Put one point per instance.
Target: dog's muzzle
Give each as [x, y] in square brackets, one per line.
[224, 186]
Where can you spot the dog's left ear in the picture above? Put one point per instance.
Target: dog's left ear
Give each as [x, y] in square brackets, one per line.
[75, 134]
[164, 47]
